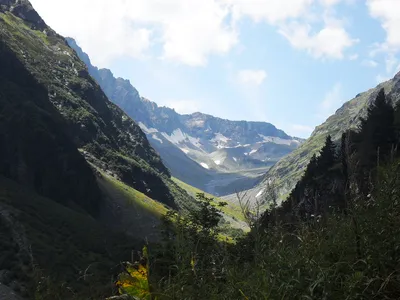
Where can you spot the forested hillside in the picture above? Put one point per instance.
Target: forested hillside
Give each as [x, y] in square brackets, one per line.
[288, 171]
[337, 236]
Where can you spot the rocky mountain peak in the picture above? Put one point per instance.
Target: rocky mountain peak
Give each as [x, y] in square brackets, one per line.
[200, 149]
[24, 10]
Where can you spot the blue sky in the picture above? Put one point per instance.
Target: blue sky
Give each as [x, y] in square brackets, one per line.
[288, 62]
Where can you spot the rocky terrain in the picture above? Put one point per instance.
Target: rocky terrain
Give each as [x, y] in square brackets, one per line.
[211, 153]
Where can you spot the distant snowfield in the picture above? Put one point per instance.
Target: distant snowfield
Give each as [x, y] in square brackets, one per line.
[186, 151]
[220, 141]
[260, 193]
[155, 137]
[217, 152]
[253, 151]
[277, 140]
[147, 130]
[178, 137]
[205, 166]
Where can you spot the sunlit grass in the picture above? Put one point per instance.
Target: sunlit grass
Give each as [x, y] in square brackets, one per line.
[232, 210]
[137, 198]
[23, 29]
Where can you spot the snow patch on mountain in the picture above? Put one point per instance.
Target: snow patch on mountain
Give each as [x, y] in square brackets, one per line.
[176, 137]
[253, 151]
[205, 166]
[220, 141]
[195, 141]
[146, 129]
[260, 193]
[186, 151]
[179, 137]
[218, 137]
[155, 137]
[277, 140]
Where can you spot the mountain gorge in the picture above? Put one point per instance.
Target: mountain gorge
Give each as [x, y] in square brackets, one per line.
[213, 154]
[102, 190]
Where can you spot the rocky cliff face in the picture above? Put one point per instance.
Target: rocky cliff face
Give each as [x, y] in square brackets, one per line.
[107, 137]
[35, 149]
[197, 148]
[24, 10]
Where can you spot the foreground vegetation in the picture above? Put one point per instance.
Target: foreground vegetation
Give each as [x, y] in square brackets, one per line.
[329, 241]
[317, 260]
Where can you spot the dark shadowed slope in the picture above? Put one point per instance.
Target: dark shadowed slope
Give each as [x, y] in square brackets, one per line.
[108, 137]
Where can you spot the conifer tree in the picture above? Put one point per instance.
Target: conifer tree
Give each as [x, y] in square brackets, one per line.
[328, 155]
[376, 139]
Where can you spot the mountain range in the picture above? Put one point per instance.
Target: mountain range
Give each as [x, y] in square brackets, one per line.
[216, 155]
[89, 168]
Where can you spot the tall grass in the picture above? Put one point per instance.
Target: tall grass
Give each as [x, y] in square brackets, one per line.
[317, 260]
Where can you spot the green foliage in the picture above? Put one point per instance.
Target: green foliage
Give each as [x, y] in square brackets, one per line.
[53, 252]
[313, 247]
[134, 281]
[320, 261]
[230, 209]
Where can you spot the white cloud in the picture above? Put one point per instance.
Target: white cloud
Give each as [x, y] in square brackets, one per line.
[295, 20]
[185, 106]
[251, 77]
[332, 102]
[387, 11]
[370, 63]
[353, 57]
[330, 42]
[391, 67]
[188, 31]
[272, 11]
[391, 63]
[330, 2]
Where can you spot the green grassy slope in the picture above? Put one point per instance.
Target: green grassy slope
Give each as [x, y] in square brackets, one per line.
[43, 241]
[233, 213]
[129, 210]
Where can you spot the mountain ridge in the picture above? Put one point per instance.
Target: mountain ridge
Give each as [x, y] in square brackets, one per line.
[200, 142]
[79, 179]
[288, 171]
[100, 129]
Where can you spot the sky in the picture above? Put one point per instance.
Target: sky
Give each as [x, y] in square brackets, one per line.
[292, 63]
